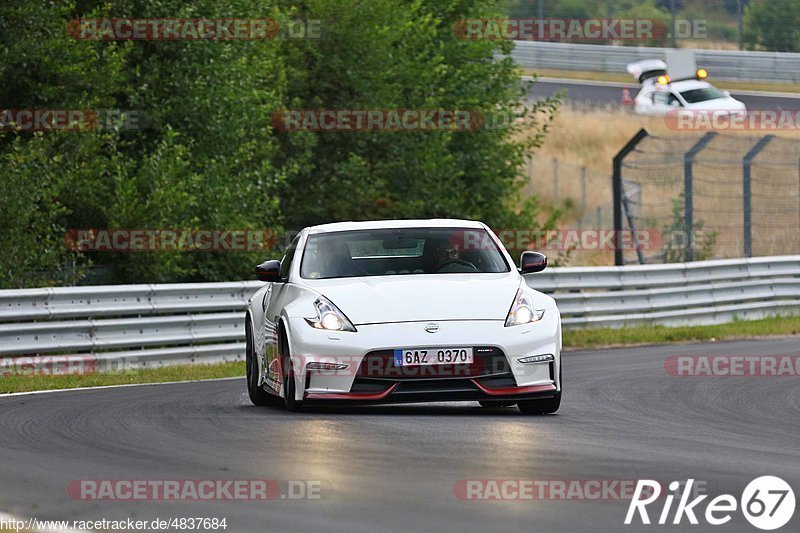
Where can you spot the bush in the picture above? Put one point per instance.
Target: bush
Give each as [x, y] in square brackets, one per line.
[207, 156]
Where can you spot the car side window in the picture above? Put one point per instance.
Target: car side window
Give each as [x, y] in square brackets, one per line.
[660, 98]
[286, 262]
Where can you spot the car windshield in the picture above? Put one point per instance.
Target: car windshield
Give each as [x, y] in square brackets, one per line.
[702, 95]
[391, 252]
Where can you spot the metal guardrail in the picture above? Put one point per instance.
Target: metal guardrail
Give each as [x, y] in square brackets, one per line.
[700, 293]
[124, 326]
[723, 64]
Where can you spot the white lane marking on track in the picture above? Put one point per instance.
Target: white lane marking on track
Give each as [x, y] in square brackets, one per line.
[6, 395]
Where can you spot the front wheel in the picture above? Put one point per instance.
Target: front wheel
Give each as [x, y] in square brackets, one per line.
[546, 406]
[257, 394]
[289, 384]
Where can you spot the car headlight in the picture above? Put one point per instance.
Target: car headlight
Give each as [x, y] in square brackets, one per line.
[522, 310]
[329, 317]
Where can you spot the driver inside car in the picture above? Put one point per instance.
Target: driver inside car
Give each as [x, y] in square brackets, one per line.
[446, 257]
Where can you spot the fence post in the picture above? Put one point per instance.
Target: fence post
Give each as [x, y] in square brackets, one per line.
[555, 179]
[747, 192]
[616, 183]
[583, 195]
[740, 17]
[529, 171]
[672, 16]
[583, 188]
[688, 192]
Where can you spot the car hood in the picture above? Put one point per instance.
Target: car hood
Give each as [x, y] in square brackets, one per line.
[727, 103]
[407, 298]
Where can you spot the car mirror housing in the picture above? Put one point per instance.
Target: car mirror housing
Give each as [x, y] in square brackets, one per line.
[269, 271]
[531, 262]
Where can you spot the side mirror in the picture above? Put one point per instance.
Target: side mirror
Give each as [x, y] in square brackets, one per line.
[531, 262]
[726, 93]
[269, 271]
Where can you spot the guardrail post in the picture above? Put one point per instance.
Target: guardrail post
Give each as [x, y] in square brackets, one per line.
[747, 192]
[688, 192]
[616, 182]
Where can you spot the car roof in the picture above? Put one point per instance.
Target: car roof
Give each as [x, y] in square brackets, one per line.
[396, 224]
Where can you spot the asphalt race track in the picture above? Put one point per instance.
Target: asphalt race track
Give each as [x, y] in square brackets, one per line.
[603, 94]
[393, 468]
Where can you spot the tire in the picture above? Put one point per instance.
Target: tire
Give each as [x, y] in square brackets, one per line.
[289, 385]
[546, 406]
[491, 404]
[257, 394]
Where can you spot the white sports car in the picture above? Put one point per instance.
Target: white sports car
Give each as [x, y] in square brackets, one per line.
[402, 311]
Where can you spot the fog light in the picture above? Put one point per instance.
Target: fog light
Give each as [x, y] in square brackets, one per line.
[547, 358]
[326, 366]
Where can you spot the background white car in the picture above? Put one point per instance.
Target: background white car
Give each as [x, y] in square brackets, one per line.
[659, 94]
[402, 311]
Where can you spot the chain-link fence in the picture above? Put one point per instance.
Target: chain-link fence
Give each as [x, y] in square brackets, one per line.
[582, 189]
[680, 198]
[711, 196]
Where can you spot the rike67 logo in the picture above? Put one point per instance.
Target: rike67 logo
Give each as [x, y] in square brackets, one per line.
[767, 503]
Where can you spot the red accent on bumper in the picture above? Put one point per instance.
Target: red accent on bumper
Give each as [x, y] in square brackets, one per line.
[350, 395]
[510, 391]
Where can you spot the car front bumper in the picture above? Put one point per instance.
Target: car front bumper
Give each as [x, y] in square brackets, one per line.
[366, 370]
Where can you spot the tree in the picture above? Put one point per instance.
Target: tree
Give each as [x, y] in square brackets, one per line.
[676, 241]
[408, 57]
[773, 25]
[207, 157]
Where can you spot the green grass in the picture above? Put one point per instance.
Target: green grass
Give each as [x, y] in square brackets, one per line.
[27, 382]
[573, 339]
[769, 327]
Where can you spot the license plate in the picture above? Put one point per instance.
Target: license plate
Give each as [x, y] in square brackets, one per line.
[432, 356]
